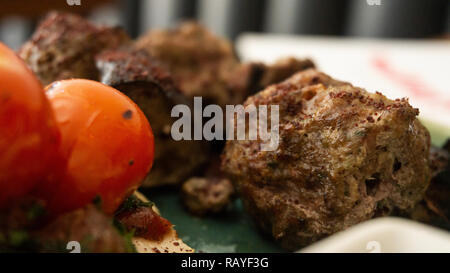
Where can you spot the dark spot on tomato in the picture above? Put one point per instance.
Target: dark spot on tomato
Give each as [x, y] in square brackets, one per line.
[131, 162]
[127, 114]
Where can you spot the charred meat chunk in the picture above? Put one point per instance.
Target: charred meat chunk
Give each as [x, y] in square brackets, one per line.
[202, 195]
[281, 70]
[437, 194]
[64, 45]
[434, 209]
[141, 78]
[89, 226]
[205, 65]
[201, 63]
[344, 156]
[439, 160]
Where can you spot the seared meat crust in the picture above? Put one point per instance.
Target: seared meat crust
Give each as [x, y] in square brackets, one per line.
[434, 209]
[205, 65]
[281, 70]
[201, 63]
[344, 156]
[68, 46]
[64, 45]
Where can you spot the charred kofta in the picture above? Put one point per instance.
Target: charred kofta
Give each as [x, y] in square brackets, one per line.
[281, 70]
[68, 46]
[201, 63]
[344, 156]
[205, 65]
[141, 78]
[434, 209]
[64, 45]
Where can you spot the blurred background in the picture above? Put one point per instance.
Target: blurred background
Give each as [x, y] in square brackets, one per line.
[398, 47]
[368, 18]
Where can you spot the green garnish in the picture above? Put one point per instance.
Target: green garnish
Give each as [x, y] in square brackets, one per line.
[132, 203]
[360, 133]
[126, 234]
[18, 238]
[35, 212]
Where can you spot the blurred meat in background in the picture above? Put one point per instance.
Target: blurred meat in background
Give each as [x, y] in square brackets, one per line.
[229, 18]
[385, 45]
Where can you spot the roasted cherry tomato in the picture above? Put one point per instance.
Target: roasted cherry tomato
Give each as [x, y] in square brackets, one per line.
[106, 141]
[29, 137]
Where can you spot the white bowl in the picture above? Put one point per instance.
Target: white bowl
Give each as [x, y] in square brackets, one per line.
[386, 234]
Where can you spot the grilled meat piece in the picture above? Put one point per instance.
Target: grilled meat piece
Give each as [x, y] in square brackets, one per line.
[344, 156]
[202, 195]
[437, 195]
[25, 227]
[140, 77]
[439, 159]
[281, 70]
[434, 209]
[201, 63]
[205, 65]
[64, 45]
[89, 226]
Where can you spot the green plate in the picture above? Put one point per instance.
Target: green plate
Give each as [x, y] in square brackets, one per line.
[233, 230]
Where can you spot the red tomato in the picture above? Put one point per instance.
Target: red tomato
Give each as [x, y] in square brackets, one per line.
[29, 137]
[106, 140]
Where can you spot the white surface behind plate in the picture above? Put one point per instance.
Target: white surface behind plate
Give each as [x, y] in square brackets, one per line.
[419, 70]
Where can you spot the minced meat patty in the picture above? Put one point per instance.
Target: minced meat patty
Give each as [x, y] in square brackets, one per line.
[64, 46]
[345, 155]
[200, 63]
[203, 64]
[434, 209]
